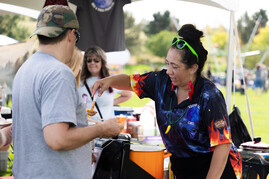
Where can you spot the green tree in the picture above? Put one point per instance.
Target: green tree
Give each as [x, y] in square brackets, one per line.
[216, 43]
[132, 34]
[264, 18]
[260, 42]
[129, 20]
[246, 24]
[245, 27]
[161, 22]
[10, 26]
[159, 43]
[220, 39]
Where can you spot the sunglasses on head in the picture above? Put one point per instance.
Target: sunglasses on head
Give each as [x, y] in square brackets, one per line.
[77, 34]
[180, 44]
[89, 60]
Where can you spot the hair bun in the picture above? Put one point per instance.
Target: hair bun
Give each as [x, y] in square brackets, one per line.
[190, 33]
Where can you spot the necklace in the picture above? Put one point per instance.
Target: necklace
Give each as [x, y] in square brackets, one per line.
[170, 122]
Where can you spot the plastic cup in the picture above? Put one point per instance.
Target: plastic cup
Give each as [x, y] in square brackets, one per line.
[122, 120]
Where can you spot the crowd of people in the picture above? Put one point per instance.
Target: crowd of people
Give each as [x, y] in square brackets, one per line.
[50, 130]
[256, 79]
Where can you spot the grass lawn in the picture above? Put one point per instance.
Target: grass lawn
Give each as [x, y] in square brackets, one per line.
[258, 107]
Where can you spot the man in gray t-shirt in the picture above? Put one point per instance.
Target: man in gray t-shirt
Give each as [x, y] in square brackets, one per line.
[50, 130]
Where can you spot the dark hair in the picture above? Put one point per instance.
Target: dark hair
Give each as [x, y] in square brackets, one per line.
[192, 36]
[100, 53]
[47, 40]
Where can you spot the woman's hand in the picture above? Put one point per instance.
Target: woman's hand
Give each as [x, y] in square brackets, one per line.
[121, 81]
[124, 96]
[100, 86]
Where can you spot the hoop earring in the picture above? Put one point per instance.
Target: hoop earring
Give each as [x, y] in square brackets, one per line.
[190, 88]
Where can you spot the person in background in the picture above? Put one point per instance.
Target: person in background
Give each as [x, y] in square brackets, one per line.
[75, 64]
[94, 68]
[51, 136]
[267, 78]
[190, 110]
[264, 77]
[258, 82]
[208, 73]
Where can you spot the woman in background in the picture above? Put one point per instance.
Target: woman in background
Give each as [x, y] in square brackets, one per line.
[75, 65]
[94, 68]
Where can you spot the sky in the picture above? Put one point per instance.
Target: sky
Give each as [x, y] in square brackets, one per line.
[186, 12]
[198, 14]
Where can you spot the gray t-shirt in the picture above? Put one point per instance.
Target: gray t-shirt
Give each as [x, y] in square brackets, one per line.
[101, 22]
[45, 92]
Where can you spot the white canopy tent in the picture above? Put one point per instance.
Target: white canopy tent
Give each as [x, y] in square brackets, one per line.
[24, 7]
[229, 5]
[5, 40]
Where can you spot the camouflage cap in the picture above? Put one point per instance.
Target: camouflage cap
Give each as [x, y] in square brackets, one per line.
[53, 20]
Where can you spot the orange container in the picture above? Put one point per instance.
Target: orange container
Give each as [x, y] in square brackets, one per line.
[150, 158]
[122, 120]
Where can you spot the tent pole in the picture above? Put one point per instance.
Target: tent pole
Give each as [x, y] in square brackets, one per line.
[229, 63]
[264, 56]
[244, 81]
[253, 33]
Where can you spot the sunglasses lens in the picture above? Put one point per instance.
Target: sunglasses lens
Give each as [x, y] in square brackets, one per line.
[174, 40]
[95, 60]
[181, 44]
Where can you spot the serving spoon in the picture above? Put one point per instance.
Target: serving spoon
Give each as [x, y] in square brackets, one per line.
[90, 112]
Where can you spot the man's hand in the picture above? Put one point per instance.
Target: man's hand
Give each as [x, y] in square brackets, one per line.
[110, 128]
[6, 136]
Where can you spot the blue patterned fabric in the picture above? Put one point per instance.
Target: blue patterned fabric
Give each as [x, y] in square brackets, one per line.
[204, 124]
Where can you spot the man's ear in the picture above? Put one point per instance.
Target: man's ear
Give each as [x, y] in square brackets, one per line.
[70, 35]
